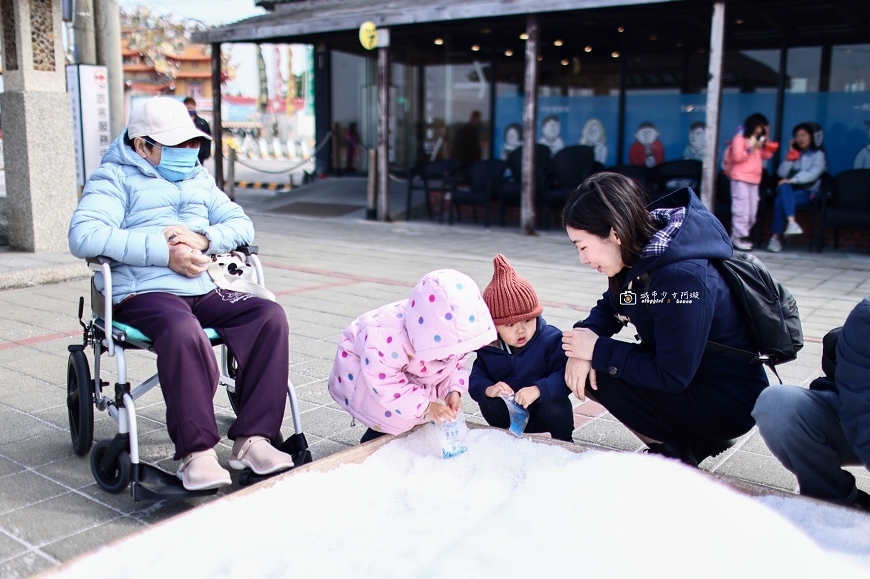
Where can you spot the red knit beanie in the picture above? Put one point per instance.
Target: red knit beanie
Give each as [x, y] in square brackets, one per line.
[509, 297]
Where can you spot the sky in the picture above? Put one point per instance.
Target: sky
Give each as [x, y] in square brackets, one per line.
[213, 13]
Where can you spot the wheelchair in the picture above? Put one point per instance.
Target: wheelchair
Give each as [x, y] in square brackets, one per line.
[115, 462]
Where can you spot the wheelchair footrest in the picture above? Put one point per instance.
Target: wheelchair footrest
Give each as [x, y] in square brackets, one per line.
[161, 485]
[294, 444]
[249, 477]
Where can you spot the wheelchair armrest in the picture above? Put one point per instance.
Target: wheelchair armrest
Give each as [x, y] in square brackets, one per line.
[101, 259]
[248, 249]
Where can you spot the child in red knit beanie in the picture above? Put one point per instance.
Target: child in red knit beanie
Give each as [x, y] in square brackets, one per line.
[526, 360]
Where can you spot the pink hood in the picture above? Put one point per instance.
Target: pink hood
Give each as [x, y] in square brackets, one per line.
[393, 361]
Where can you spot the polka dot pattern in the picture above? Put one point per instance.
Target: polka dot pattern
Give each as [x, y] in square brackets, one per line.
[443, 311]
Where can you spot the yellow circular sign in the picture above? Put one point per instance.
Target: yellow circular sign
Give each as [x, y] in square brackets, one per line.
[368, 35]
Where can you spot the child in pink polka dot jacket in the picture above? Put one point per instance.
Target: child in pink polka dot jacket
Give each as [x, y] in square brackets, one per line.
[396, 363]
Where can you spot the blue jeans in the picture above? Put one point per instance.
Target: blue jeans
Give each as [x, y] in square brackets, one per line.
[787, 198]
[802, 428]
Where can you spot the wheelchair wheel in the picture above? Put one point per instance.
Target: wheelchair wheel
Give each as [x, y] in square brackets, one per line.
[80, 402]
[118, 476]
[232, 371]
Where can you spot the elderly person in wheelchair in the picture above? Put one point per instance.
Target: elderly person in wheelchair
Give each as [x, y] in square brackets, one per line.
[157, 214]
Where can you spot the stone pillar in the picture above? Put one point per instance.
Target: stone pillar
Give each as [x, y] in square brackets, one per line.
[37, 126]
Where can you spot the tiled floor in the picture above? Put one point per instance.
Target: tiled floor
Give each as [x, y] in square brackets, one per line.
[325, 272]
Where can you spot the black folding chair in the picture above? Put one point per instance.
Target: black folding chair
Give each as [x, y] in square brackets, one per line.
[848, 206]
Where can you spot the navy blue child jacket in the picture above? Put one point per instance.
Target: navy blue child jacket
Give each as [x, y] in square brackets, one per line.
[540, 362]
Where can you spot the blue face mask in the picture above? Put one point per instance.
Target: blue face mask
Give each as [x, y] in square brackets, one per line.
[176, 163]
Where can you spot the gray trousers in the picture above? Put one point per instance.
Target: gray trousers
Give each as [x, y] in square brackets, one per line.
[802, 428]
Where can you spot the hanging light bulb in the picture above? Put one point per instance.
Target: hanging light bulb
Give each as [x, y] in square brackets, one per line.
[475, 47]
[557, 43]
[524, 36]
[439, 41]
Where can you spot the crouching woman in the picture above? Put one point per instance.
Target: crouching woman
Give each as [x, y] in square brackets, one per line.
[682, 399]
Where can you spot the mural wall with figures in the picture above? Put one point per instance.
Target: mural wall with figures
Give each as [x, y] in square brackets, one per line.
[666, 127]
[562, 121]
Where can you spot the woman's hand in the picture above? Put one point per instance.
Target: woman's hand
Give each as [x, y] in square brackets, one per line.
[454, 401]
[576, 372]
[176, 234]
[497, 389]
[781, 181]
[579, 343]
[439, 413]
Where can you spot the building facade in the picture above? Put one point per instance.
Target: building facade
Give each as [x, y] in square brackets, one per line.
[629, 79]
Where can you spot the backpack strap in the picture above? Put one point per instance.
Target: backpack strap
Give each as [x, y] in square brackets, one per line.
[753, 357]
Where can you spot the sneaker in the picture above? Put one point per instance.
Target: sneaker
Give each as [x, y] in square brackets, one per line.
[792, 229]
[741, 243]
[774, 245]
[258, 454]
[201, 471]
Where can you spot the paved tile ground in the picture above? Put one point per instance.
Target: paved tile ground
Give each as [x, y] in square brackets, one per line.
[324, 272]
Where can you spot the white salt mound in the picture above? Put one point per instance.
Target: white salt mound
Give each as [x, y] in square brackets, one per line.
[506, 508]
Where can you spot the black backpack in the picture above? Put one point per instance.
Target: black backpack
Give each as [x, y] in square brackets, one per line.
[769, 311]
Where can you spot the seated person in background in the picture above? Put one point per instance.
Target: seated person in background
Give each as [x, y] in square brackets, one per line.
[799, 183]
[395, 364]
[155, 211]
[815, 432]
[526, 360]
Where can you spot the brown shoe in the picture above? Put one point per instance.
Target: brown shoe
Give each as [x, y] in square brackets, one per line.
[200, 471]
[258, 454]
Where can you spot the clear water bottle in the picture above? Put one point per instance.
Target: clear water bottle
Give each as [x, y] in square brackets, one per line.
[454, 436]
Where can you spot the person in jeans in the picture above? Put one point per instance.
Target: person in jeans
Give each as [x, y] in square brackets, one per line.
[800, 180]
[815, 432]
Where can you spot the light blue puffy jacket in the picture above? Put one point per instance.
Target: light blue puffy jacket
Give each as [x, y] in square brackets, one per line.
[126, 205]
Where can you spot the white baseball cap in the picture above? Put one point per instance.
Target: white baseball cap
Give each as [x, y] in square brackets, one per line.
[164, 120]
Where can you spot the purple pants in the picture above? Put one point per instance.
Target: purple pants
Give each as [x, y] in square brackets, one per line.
[256, 332]
[744, 207]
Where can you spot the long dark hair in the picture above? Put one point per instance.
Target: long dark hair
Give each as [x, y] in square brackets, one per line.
[608, 201]
[809, 130]
[754, 121]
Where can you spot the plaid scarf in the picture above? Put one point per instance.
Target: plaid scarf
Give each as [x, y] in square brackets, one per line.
[669, 221]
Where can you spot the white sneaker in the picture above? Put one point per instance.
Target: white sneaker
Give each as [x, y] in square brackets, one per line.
[774, 245]
[792, 229]
[742, 244]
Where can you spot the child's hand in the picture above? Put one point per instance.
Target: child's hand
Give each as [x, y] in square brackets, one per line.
[525, 396]
[454, 401]
[439, 413]
[497, 389]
